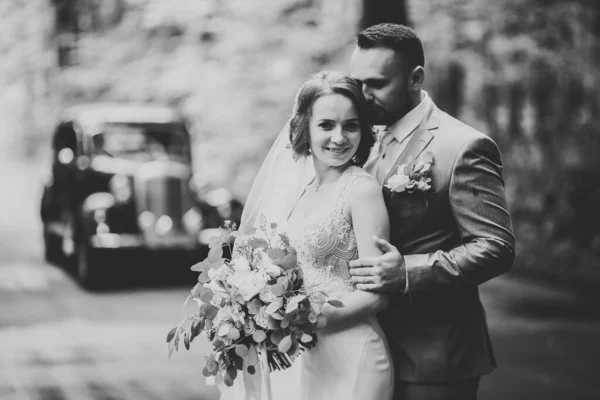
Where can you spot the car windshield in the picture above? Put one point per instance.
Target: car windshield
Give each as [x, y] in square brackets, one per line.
[143, 142]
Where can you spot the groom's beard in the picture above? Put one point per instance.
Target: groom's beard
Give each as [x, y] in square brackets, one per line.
[377, 115]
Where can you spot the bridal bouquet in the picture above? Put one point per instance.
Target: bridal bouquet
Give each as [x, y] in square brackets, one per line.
[254, 304]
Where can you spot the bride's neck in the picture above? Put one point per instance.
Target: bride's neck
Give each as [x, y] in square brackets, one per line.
[326, 174]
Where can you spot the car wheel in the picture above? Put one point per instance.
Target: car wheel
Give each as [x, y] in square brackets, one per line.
[52, 248]
[89, 268]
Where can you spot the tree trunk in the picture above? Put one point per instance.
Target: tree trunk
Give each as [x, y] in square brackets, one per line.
[378, 11]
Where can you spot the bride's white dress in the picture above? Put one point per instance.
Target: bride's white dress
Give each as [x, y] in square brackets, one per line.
[350, 364]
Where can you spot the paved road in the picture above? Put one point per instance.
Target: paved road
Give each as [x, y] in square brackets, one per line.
[59, 342]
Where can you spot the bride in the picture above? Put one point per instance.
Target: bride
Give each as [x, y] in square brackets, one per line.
[313, 184]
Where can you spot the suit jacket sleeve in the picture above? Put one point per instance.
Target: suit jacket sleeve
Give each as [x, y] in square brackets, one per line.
[478, 203]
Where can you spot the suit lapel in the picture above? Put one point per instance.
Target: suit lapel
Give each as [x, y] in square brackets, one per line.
[419, 140]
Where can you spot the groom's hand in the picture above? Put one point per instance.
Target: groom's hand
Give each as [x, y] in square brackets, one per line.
[385, 273]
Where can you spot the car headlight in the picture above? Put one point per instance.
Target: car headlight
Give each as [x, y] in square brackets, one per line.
[121, 188]
[192, 220]
[146, 220]
[163, 225]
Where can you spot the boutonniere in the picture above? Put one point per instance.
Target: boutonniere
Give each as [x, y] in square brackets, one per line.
[412, 177]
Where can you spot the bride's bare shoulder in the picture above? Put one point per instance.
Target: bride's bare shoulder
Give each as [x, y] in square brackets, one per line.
[364, 189]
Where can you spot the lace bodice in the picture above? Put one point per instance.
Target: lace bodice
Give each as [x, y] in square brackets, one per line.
[326, 244]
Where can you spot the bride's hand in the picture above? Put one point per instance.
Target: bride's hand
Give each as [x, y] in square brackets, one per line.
[386, 273]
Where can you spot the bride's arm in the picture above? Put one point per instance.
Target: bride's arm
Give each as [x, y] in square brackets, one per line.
[366, 210]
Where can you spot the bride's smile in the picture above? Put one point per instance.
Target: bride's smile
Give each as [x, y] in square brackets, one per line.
[334, 131]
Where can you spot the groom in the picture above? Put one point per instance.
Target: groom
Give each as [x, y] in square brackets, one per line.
[450, 227]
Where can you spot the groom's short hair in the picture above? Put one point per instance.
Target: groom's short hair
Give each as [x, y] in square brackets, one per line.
[399, 38]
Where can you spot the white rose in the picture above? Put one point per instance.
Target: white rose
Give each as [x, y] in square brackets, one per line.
[249, 284]
[240, 264]
[398, 182]
[262, 320]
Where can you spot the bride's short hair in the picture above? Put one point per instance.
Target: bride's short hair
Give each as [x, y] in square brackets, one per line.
[321, 84]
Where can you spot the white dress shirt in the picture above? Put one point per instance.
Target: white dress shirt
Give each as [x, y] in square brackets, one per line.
[392, 141]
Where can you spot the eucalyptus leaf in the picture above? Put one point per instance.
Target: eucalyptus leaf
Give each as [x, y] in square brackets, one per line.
[203, 277]
[201, 266]
[284, 281]
[211, 365]
[215, 241]
[276, 255]
[306, 338]
[336, 303]
[273, 324]
[207, 296]
[277, 336]
[210, 311]
[241, 350]
[233, 334]
[292, 306]
[259, 336]
[228, 380]
[274, 305]
[285, 322]
[277, 315]
[171, 334]
[238, 363]
[197, 327]
[215, 254]
[277, 289]
[289, 262]
[285, 344]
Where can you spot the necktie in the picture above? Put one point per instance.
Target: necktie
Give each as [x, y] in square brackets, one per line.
[384, 138]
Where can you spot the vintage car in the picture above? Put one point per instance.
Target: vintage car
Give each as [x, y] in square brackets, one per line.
[122, 179]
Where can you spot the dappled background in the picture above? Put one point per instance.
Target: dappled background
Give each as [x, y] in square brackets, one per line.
[523, 71]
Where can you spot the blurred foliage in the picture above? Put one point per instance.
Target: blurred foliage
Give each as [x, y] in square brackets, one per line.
[232, 66]
[526, 72]
[523, 71]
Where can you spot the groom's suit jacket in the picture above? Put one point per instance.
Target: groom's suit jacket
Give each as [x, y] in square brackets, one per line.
[453, 237]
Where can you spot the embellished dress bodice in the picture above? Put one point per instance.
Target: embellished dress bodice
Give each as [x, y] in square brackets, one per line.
[326, 243]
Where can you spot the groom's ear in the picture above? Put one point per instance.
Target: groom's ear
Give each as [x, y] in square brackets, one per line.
[417, 77]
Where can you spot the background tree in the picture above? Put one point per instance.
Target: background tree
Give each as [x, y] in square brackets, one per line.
[379, 11]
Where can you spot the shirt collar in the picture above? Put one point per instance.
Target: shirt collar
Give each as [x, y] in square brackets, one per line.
[401, 129]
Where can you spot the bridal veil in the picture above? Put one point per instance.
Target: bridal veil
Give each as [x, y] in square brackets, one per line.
[277, 185]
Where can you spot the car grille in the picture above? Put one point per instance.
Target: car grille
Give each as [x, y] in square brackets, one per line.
[162, 188]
